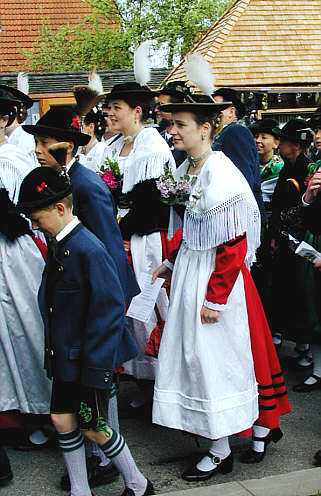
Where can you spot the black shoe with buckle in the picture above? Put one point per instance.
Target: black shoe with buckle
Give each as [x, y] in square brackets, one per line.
[252, 456]
[97, 475]
[148, 491]
[306, 388]
[193, 474]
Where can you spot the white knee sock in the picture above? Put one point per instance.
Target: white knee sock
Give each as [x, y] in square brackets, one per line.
[220, 448]
[117, 449]
[261, 432]
[72, 445]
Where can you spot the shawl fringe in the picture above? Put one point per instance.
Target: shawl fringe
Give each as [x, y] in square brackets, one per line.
[226, 221]
[147, 167]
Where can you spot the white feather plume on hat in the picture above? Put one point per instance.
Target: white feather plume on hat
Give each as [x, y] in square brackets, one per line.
[199, 71]
[95, 81]
[142, 63]
[23, 82]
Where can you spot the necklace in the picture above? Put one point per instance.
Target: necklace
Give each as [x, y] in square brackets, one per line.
[194, 161]
[130, 139]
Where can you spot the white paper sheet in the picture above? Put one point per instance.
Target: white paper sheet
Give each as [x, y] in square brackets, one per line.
[307, 251]
[142, 305]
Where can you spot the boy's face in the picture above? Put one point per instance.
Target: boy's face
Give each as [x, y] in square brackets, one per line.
[48, 220]
[45, 158]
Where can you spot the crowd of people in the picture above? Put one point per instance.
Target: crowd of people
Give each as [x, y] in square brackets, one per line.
[85, 217]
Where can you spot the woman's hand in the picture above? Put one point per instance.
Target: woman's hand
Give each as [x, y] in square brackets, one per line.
[313, 188]
[162, 271]
[317, 265]
[209, 316]
[126, 246]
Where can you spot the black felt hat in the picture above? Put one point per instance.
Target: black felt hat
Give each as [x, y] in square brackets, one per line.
[297, 131]
[267, 126]
[42, 187]
[130, 90]
[18, 95]
[205, 106]
[62, 123]
[230, 95]
[315, 120]
[8, 105]
[181, 90]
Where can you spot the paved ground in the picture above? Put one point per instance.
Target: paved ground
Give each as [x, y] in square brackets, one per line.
[162, 455]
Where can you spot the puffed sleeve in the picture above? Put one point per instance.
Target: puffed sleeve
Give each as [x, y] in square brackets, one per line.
[228, 262]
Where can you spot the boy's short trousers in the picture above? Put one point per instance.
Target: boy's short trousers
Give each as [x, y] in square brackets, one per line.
[90, 405]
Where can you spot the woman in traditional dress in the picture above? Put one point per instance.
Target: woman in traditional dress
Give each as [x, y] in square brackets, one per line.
[92, 154]
[266, 133]
[24, 385]
[142, 155]
[206, 382]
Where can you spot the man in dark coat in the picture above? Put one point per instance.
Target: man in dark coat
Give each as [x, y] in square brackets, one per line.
[172, 92]
[83, 308]
[288, 313]
[238, 144]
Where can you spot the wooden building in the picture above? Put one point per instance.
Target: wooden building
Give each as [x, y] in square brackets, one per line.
[50, 89]
[270, 50]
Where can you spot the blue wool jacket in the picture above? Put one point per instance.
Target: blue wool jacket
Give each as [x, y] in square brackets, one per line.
[238, 144]
[83, 309]
[94, 206]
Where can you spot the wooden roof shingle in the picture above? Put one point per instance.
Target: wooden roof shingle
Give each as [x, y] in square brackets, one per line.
[263, 42]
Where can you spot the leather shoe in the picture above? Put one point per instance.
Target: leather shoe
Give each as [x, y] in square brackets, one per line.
[252, 456]
[306, 388]
[97, 475]
[193, 474]
[148, 491]
[317, 458]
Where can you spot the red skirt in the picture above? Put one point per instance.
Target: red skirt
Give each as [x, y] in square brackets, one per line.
[273, 398]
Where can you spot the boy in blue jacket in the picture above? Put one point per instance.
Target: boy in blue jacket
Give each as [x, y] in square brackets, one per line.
[83, 308]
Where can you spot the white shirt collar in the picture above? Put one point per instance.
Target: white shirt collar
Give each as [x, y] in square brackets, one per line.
[67, 229]
[70, 163]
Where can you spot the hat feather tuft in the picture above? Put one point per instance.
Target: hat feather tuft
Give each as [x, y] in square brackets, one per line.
[95, 82]
[23, 82]
[59, 152]
[86, 98]
[199, 72]
[142, 63]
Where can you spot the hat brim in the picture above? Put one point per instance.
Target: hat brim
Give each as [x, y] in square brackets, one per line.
[194, 107]
[20, 96]
[315, 122]
[80, 139]
[275, 132]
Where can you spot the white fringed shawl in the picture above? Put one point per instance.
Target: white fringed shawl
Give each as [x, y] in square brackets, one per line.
[226, 208]
[14, 166]
[146, 160]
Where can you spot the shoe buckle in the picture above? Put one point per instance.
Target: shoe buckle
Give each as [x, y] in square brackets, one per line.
[216, 460]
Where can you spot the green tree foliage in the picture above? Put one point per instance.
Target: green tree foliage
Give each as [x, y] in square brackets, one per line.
[174, 24]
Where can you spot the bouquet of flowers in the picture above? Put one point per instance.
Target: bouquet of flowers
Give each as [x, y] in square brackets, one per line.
[109, 173]
[175, 192]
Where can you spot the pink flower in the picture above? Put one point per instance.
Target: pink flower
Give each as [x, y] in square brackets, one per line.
[109, 179]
